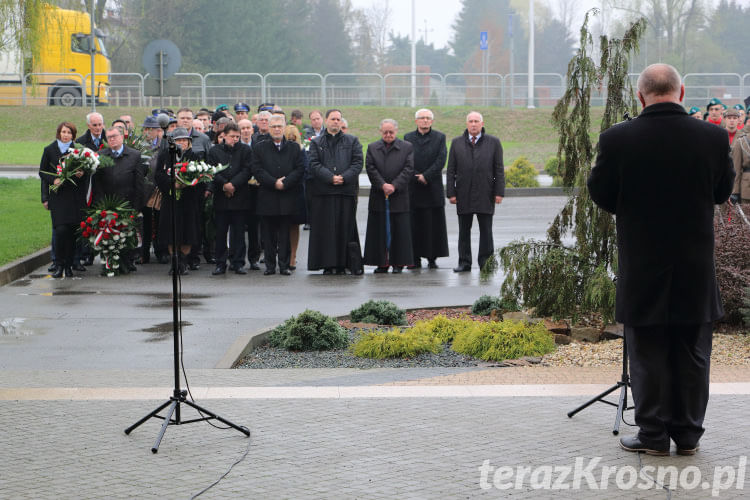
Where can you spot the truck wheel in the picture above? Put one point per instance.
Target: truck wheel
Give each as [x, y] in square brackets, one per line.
[67, 96]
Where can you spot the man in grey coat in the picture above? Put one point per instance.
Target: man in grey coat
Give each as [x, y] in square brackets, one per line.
[475, 183]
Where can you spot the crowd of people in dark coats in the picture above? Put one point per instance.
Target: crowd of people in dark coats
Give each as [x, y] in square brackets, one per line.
[275, 176]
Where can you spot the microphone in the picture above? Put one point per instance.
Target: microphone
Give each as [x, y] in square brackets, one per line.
[163, 120]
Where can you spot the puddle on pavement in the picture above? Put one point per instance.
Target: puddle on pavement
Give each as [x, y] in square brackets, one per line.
[12, 327]
[162, 331]
[21, 282]
[168, 303]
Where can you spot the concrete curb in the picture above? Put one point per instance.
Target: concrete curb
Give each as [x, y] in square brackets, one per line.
[23, 266]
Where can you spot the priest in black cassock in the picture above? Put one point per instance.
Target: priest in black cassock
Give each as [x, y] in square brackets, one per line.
[335, 164]
[390, 167]
[429, 235]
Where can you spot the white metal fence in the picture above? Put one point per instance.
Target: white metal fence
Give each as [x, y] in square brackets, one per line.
[370, 89]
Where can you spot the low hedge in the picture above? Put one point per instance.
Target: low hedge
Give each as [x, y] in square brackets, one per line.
[500, 340]
[310, 331]
[395, 343]
[380, 312]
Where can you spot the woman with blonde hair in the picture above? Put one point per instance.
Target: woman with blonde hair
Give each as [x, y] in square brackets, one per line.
[291, 133]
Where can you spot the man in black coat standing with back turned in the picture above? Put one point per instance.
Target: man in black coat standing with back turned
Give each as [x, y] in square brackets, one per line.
[475, 183]
[661, 175]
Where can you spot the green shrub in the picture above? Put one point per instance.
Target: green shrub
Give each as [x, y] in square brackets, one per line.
[443, 328]
[394, 343]
[380, 312]
[310, 331]
[552, 166]
[521, 174]
[500, 340]
[485, 304]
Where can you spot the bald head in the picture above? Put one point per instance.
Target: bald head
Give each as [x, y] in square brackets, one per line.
[660, 83]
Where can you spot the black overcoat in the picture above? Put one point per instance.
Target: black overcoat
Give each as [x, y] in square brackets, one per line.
[88, 142]
[394, 165]
[269, 164]
[475, 174]
[330, 155]
[238, 157]
[125, 179]
[67, 204]
[429, 159]
[661, 174]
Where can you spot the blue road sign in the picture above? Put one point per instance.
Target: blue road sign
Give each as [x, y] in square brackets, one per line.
[483, 40]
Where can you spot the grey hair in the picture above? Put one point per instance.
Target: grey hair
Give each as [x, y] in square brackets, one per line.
[424, 110]
[481, 118]
[91, 115]
[265, 114]
[344, 122]
[389, 120]
[658, 80]
[277, 118]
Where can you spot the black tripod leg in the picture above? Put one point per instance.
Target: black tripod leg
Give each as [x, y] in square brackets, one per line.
[594, 400]
[164, 426]
[243, 430]
[160, 408]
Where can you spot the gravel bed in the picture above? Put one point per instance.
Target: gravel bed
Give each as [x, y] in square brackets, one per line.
[266, 356]
[728, 350]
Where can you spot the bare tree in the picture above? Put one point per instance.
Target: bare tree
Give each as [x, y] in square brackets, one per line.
[567, 10]
[379, 22]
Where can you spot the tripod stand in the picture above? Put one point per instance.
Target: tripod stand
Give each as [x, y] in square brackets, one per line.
[179, 397]
[622, 385]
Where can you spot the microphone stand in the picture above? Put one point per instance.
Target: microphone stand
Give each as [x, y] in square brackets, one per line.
[179, 396]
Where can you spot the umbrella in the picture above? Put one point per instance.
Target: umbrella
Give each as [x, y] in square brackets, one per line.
[387, 229]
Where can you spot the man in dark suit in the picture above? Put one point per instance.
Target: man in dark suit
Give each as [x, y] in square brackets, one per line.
[278, 166]
[661, 175]
[231, 198]
[475, 183]
[125, 179]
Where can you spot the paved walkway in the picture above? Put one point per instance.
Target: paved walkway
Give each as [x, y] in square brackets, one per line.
[82, 359]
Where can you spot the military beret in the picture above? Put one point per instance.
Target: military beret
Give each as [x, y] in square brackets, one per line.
[739, 107]
[713, 102]
[693, 110]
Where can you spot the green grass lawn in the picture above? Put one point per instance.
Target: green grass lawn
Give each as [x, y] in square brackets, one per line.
[523, 132]
[25, 225]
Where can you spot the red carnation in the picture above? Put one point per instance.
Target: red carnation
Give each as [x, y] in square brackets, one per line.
[83, 225]
[86, 154]
[89, 220]
[101, 223]
[114, 215]
[132, 217]
[101, 146]
[104, 213]
[183, 170]
[105, 236]
[75, 151]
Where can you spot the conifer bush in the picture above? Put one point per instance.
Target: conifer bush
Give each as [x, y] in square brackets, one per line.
[485, 304]
[310, 331]
[395, 343]
[521, 174]
[443, 328]
[380, 312]
[500, 340]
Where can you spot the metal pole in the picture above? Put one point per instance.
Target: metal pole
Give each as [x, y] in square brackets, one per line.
[510, 32]
[92, 50]
[531, 55]
[413, 54]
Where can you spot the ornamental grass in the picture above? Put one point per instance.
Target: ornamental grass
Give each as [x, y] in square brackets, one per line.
[500, 340]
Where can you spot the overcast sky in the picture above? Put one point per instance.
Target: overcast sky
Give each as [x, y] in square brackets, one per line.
[439, 15]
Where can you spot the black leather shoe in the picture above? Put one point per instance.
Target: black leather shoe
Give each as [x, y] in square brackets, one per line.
[89, 261]
[58, 272]
[52, 268]
[634, 444]
[254, 266]
[380, 270]
[340, 271]
[78, 267]
[239, 270]
[209, 259]
[396, 270]
[219, 270]
[285, 272]
[462, 269]
[328, 270]
[269, 272]
[432, 265]
[194, 266]
[69, 272]
[131, 267]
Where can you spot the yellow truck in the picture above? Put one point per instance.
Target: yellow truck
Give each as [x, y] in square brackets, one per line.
[59, 73]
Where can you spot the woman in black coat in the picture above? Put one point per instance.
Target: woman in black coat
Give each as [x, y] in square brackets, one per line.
[187, 208]
[66, 204]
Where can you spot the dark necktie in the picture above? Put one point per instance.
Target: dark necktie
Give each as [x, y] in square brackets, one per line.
[473, 140]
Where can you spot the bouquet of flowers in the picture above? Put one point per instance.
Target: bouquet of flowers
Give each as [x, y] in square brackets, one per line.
[78, 159]
[195, 172]
[110, 229]
[306, 144]
[142, 144]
